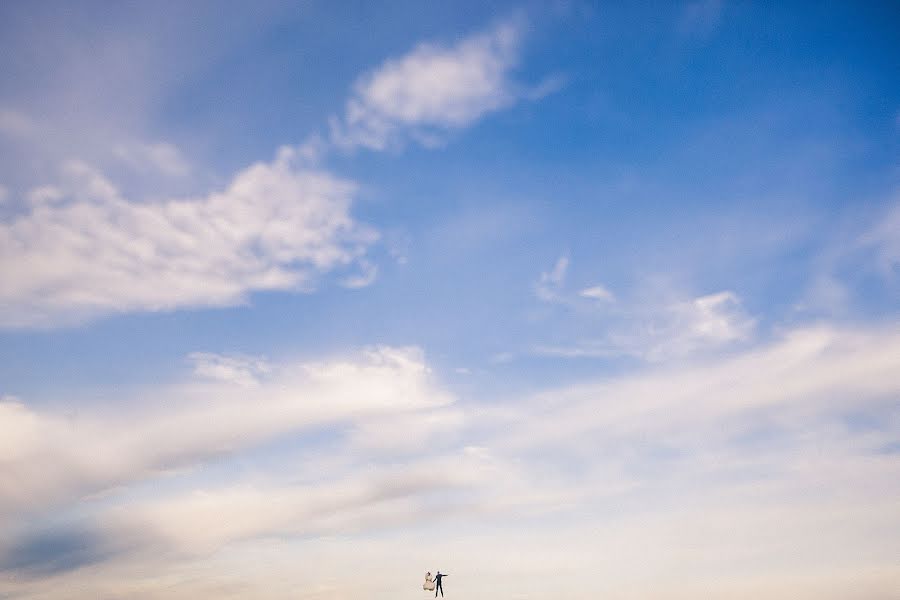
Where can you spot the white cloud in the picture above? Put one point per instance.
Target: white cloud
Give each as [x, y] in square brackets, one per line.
[159, 157]
[598, 292]
[714, 319]
[368, 272]
[91, 252]
[49, 458]
[240, 370]
[431, 90]
[549, 286]
[808, 371]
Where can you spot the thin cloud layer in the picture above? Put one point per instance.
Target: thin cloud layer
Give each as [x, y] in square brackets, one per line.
[49, 458]
[158, 157]
[807, 371]
[240, 370]
[715, 445]
[431, 90]
[84, 250]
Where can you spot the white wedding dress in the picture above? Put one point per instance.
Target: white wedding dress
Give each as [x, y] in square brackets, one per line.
[429, 583]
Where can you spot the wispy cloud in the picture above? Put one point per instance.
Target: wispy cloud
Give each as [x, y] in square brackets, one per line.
[550, 284]
[652, 326]
[158, 157]
[710, 320]
[49, 458]
[709, 443]
[597, 292]
[865, 256]
[366, 276]
[202, 522]
[432, 90]
[240, 370]
[657, 332]
[884, 237]
[84, 250]
[795, 370]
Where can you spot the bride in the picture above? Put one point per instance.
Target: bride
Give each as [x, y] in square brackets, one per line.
[429, 582]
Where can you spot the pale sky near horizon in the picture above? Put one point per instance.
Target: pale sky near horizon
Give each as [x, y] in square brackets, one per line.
[566, 299]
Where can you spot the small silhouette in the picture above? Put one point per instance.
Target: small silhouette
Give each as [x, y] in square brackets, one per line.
[437, 582]
[429, 582]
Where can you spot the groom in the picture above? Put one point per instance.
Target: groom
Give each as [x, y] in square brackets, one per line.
[437, 584]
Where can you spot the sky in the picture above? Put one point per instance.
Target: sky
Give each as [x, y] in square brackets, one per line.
[564, 299]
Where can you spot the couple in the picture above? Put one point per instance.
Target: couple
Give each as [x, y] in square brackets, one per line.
[434, 584]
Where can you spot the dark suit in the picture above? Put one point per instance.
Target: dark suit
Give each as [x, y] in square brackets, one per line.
[437, 584]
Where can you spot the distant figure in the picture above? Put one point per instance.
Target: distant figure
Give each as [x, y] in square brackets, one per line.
[437, 581]
[429, 582]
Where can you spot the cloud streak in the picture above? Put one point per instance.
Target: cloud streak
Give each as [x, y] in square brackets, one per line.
[49, 458]
[84, 250]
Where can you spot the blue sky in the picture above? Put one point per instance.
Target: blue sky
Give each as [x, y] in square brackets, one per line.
[293, 291]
